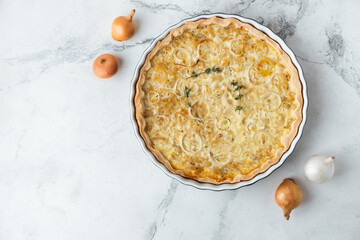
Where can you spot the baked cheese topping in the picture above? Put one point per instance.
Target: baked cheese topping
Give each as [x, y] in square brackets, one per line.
[218, 102]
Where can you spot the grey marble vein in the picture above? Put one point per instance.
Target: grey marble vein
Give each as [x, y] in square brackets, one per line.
[309, 61]
[220, 232]
[285, 26]
[155, 7]
[162, 211]
[23, 134]
[19, 145]
[72, 51]
[118, 48]
[240, 7]
[339, 56]
[282, 23]
[150, 234]
[181, 235]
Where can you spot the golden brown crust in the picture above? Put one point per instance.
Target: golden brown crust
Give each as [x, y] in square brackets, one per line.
[222, 22]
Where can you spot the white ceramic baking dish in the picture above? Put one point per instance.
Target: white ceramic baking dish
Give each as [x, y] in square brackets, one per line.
[226, 186]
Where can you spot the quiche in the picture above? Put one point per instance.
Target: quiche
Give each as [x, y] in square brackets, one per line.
[218, 101]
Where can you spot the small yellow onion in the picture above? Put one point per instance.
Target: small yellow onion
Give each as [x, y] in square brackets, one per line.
[288, 196]
[123, 28]
[105, 66]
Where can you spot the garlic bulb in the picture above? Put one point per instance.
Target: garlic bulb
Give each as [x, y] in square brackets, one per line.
[319, 168]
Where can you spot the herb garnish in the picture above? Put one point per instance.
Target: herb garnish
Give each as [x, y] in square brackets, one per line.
[239, 96]
[238, 108]
[232, 139]
[194, 75]
[186, 92]
[188, 105]
[207, 71]
[238, 87]
[215, 69]
[198, 120]
[234, 83]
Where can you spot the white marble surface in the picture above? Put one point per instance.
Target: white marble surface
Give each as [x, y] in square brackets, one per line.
[71, 168]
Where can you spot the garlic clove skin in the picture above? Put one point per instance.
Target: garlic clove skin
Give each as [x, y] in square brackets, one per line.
[319, 168]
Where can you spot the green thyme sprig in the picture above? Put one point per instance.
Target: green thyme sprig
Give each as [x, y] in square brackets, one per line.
[215, 69]
[207, 71]
[187, 91]
[194, 75]
[238, 108]
[238, 87]
[238, 97]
